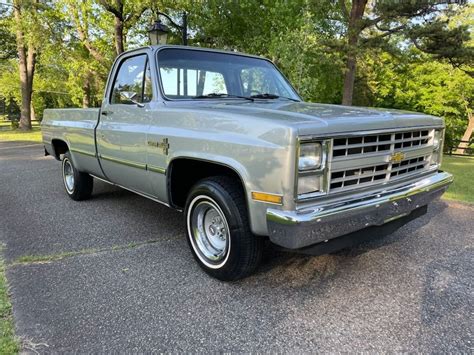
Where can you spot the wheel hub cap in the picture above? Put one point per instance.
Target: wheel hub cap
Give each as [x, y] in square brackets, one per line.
[68, 175]
[210, 231]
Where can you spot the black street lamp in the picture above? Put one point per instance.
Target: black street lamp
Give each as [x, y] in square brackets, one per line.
[158, 33]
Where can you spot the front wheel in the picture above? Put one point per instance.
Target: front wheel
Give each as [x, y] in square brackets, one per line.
[218, 229]
[78, 185]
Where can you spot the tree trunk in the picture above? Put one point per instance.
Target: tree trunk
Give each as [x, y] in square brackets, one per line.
[26, 65]
[30, 71]
[32, 110]
[349, 79]
[353, 33]
[118, 27]
[467, 134]
[25, 109]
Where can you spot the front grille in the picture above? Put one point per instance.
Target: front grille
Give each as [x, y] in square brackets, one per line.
[360, 161]
[376, 173]
[378, 143]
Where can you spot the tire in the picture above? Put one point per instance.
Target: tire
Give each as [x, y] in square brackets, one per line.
[218, 229]
[78, 185]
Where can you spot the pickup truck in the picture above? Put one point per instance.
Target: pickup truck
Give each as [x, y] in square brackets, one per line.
[226, 139]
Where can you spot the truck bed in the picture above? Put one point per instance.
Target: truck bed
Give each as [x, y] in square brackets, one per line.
[75, 127]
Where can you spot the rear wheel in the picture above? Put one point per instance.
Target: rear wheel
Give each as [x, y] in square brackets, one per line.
[78, 185]
[218, 229]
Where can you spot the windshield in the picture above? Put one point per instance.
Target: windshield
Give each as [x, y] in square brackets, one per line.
[194, 74]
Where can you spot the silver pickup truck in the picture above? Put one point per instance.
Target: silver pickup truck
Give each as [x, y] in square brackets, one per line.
[226, 139]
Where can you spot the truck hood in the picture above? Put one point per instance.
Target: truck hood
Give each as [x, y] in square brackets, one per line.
[310, 118]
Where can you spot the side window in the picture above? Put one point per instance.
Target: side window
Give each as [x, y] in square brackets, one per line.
[132, 82]
[179, 83]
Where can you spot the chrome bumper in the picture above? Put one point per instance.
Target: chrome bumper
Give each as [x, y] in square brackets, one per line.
[298, 229]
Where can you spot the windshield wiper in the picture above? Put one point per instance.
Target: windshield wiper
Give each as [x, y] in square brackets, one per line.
[272, 96]
[221, 95]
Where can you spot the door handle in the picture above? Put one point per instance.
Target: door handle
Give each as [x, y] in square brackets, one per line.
[105, 113]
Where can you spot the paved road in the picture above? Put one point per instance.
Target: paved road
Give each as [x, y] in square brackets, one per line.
[135, 287]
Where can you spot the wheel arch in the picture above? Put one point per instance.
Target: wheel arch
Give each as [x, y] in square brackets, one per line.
[196, 169]
[60, 146]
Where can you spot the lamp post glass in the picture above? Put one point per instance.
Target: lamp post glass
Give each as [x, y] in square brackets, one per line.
[158, 33]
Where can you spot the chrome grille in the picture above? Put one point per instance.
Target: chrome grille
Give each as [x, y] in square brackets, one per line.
[369, 174]
[360, 161]
[378, 143]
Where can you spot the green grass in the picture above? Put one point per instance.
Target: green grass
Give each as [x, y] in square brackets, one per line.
[17, 135]
[462, 168]
[9, 344]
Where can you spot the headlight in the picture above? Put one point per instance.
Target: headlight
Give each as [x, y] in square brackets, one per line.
[310, 156]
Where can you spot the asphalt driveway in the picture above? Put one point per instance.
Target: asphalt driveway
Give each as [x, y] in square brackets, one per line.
[127, 281]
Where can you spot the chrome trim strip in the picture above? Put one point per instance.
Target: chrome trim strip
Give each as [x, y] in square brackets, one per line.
[370, 132]
[156, 169]
[83, 152]
[123, 162]
[317, 223]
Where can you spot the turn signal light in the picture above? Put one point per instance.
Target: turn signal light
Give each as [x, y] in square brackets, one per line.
[264, 197]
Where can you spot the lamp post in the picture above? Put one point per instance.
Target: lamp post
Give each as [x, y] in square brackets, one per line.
[158, 33]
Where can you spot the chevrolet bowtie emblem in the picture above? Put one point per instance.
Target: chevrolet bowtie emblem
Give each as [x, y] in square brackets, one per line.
[397, 157]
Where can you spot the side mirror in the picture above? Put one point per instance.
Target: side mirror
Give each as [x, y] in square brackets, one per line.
[130, 96]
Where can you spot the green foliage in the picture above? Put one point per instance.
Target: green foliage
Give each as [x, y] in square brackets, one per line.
[306, 39]
[414, 82]
[7, 39]
[9, 344]
[285, 33]
[444, 43]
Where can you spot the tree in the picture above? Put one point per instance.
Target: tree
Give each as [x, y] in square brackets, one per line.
[126, 14]
[25, 13]
[414, 81]
[369, 25]
[450, 40]
[88, 50]
[285, 33]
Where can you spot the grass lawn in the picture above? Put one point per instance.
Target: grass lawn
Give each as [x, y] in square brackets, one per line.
[462, 168]
[17, 135]
[8, 342]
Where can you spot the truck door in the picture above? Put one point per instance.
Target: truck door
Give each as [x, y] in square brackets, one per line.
[124, 122]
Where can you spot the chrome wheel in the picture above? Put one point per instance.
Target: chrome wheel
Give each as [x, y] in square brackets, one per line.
[68, 175]
[208, 231]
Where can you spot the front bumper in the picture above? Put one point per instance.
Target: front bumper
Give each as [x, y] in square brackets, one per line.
[315, 224]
